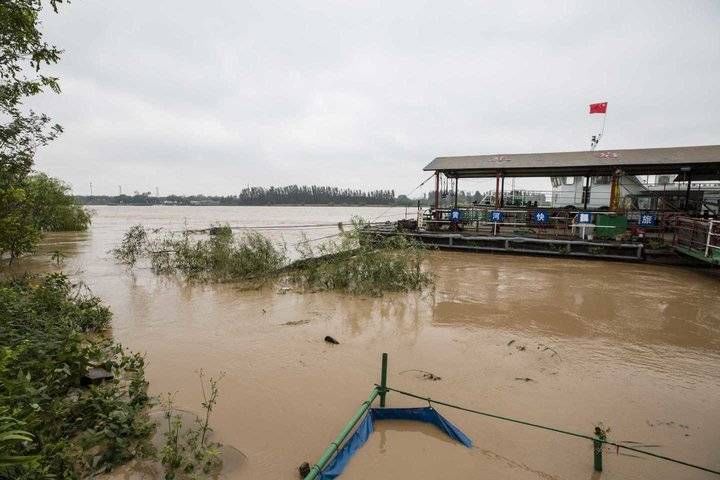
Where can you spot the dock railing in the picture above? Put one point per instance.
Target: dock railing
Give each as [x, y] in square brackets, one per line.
[698, 237]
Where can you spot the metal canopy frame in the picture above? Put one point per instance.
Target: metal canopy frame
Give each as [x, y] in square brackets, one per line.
[700, 160]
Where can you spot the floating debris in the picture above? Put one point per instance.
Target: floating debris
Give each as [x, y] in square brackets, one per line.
[524, 379]
[511, 342]
[546, 347]
[425, 374]
[330, 339]
[304, 469]
[298, 322]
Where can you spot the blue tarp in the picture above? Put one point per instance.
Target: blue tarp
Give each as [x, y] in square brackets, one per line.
[366, 427]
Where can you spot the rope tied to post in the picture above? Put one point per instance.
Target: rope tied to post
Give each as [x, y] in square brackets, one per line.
[597, 440]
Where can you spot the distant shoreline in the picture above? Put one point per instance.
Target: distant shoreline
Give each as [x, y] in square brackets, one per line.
[257, 205]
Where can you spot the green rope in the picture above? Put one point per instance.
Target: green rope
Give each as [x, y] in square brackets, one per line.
[543, 427]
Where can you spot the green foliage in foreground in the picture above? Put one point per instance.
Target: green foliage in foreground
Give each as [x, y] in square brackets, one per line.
[187, 451]
[51, 333]
[11, 439]
[356, 263]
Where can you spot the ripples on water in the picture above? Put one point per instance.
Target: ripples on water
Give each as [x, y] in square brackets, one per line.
[635, 346]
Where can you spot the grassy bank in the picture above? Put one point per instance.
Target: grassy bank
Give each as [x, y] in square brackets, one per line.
[51, 334]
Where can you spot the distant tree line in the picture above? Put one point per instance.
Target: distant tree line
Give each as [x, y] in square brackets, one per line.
[286, 195]
[311, 195]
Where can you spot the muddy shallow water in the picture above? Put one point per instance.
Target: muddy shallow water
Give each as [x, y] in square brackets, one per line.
[567, 343]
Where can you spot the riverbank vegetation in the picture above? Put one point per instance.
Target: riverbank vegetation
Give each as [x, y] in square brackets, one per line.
[57, 418]
[34, 205]
[29, 203]
[187, 451]
[52, 333]
[356, 262]
[73, 403]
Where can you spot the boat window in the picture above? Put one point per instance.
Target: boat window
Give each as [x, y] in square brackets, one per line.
[569, 180]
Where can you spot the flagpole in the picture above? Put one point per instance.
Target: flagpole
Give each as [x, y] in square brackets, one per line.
[600, 135]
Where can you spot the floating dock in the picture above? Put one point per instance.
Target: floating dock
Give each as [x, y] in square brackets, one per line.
[673, 226]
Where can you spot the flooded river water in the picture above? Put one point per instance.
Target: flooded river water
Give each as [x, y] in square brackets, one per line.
[567, 343]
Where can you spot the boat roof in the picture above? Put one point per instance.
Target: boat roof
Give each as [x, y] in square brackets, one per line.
[702, 160]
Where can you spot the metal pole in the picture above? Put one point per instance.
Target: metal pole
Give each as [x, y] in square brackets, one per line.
[497, 190]
[597, 455]
[335, 445]
[709, 237]
[383, 379]
[456, 192]
[437, 194]
[687, 192]
[502, 192]
[586, 195]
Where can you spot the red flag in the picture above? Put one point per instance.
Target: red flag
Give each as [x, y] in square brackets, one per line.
[598, 107]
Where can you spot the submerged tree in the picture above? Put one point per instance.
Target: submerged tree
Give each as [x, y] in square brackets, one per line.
[359, 262]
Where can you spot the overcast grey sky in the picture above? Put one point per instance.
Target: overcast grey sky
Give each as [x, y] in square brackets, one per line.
[207, 97]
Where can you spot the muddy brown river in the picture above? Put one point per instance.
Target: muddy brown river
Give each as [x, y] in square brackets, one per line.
[567, 343]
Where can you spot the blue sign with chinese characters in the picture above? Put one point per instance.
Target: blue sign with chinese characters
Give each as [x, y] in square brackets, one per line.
[497, 216]
[584, 217]
[541, 216]
[455, 215]
[647, 219]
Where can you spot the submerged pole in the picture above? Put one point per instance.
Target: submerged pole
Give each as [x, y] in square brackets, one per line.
[335, 445]
[597, 451]
[383, 379]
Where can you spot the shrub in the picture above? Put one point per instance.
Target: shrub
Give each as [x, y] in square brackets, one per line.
[51, 333]
[358, 262]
